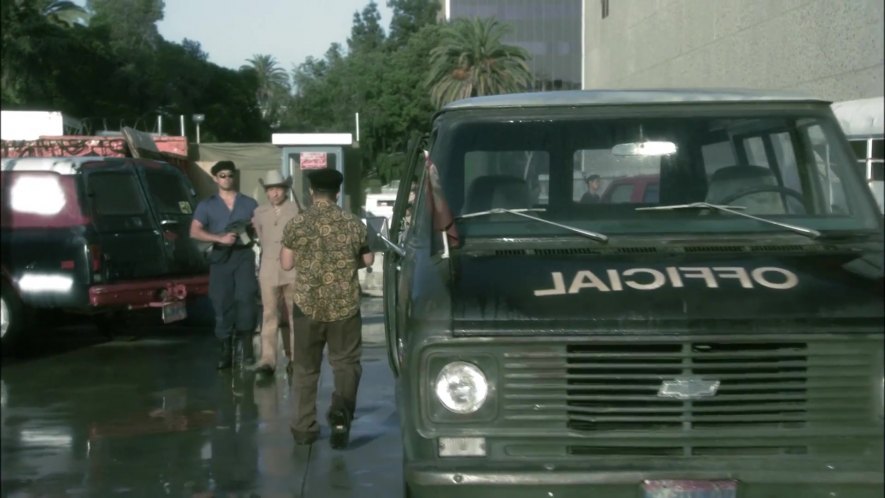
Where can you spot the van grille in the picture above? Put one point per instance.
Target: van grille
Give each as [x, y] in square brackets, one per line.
[761, 385]
[608, 393]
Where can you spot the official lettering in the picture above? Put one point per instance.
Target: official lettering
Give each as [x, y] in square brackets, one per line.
[648, 279]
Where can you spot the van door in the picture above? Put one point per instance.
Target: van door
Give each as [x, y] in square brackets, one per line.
[129, 241]
[402, 223]
[172, 201]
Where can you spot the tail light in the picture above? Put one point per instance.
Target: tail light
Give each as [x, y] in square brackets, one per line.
[95, 257]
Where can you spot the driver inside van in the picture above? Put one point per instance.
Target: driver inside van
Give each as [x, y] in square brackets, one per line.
[591, 196]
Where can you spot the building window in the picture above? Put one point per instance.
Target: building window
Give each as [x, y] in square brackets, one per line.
[604, 4]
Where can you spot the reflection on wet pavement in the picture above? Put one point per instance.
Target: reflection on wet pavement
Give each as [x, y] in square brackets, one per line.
[152, 417]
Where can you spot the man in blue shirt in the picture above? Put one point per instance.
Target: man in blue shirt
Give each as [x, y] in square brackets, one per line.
[233, 286]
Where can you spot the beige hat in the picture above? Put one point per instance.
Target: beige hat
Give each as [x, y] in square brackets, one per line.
[273, 178]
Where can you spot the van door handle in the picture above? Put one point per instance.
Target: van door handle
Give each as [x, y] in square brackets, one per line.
[166, 223]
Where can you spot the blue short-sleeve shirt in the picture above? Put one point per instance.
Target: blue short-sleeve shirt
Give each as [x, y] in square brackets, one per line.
[215, 217]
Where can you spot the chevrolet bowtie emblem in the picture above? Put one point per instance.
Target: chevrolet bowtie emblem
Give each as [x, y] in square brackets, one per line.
[688, 388]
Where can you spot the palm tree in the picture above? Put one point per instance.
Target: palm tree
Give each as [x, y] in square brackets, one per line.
[273, 84]
[62, 13]
[472, 61]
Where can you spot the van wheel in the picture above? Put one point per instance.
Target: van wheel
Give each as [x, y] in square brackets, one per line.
[13, 320]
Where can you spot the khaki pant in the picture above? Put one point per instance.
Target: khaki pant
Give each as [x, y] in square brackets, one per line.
[345, 341]
[274, 299]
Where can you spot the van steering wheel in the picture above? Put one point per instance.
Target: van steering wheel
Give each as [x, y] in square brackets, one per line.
[774, 188]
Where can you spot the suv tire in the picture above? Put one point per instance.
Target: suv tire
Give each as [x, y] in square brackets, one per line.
[14, 320]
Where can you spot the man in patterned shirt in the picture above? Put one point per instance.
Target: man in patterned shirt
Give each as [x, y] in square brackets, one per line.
[326, 246]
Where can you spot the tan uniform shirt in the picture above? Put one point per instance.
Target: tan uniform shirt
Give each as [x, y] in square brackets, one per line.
[327, 244]
[269, 222]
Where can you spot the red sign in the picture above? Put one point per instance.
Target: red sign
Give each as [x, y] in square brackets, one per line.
[313, 160]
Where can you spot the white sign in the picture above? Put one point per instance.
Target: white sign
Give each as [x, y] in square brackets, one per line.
[312, 160]
[30, 125]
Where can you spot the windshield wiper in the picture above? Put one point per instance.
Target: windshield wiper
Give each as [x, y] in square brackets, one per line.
[808, 232]
[522, 212]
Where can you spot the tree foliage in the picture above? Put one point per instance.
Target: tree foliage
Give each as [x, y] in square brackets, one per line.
[366, 34]
[132, 23]
[409, 16]
[273, 86]
[112, 68]
[63, 13]
[379, 77]
[52, 59]
[472, 61]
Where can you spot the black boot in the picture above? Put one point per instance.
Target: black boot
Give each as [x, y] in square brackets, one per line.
[339, 418]
[245, 339]
[225, 353]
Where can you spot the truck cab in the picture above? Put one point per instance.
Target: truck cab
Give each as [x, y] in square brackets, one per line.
[722, 336]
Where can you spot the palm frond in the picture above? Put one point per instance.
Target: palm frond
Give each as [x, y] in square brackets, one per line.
[471, 60]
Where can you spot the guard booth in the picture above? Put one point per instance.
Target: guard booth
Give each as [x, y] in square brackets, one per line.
[304, 152]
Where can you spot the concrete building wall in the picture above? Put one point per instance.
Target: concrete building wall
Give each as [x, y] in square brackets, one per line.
[832, 49]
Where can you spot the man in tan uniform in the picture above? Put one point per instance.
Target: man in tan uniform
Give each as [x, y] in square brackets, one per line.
[276, 284]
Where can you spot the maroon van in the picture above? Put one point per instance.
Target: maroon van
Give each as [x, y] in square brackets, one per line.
[95, 235]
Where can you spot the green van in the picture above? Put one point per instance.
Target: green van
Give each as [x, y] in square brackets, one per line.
[723, 338]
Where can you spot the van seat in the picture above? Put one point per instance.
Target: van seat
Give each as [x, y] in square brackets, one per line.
[497, 191]
[731, 180]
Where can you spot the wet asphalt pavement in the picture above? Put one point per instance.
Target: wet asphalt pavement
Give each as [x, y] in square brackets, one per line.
[147, 414]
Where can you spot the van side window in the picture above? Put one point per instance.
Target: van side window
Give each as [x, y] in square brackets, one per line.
[755, 151]
[826, 169]
[786, 160]
[763, 173]
[415, 193]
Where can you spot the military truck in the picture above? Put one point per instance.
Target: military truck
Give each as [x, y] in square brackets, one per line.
[724, 338]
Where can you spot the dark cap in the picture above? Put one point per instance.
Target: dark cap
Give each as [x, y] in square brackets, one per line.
[591, 178]
[326, 179]
[222, 166]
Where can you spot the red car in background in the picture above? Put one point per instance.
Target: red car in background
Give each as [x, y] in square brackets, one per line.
[640, 189]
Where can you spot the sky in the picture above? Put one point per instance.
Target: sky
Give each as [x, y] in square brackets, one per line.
[232, 31]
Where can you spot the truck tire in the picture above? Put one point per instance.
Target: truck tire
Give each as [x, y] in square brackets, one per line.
[13, 321]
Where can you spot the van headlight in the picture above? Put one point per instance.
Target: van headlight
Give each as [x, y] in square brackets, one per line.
[461, 387]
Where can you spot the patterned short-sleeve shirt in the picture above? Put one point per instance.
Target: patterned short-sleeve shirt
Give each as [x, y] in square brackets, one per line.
[327, 244]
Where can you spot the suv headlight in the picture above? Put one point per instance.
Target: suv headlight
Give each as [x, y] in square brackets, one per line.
[461, 387]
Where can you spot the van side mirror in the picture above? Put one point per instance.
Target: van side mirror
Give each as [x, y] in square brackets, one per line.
[378, 236]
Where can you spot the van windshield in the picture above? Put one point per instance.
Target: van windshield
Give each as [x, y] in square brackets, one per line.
[594, 173]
